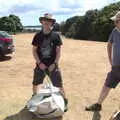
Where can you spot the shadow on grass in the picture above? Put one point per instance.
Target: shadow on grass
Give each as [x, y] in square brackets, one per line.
[96, 116]
[5, 58]
[24, 114]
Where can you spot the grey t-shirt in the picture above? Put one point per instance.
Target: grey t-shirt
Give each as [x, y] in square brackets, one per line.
[114, 38]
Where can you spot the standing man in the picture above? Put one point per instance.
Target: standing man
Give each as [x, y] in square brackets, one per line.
[46, 52]
[113, 77]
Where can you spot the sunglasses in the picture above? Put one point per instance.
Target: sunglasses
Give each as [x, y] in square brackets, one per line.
[49, 20]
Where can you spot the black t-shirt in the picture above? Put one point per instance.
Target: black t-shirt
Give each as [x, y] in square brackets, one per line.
[46, 44]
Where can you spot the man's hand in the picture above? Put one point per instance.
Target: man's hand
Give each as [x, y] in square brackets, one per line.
[42, 66]
[51, 67]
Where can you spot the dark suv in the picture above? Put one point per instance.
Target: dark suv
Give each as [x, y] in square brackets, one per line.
[6, 43]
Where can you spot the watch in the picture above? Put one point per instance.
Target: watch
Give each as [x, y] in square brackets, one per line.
[56, 65]
[39, 63]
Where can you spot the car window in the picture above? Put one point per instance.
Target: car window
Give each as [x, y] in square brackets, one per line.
[4, 34]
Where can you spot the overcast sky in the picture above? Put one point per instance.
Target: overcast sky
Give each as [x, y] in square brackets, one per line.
[30, 10]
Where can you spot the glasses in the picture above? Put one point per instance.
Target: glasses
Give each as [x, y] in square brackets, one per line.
[49, 20]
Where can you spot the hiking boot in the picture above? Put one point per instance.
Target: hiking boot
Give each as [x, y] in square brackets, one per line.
[66, 105]
[94, 107]
[116, 116]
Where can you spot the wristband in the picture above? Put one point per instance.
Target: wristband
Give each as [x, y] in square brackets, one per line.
[39, 63]
[56, 65]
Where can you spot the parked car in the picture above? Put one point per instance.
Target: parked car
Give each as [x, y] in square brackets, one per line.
[6, 43]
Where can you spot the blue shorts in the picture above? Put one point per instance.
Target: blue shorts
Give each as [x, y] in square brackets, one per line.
[113, 77]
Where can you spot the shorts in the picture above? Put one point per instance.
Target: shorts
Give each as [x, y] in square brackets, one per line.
[113, 77]
[55, 77]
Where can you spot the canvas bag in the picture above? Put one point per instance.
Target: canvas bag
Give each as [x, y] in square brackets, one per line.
[48, 103]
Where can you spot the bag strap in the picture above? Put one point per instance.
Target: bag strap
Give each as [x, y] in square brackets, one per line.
[48, 79]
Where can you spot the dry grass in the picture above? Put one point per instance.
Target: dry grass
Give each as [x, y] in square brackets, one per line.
[84, 66]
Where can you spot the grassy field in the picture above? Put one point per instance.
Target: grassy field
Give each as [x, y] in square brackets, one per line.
[84, 66]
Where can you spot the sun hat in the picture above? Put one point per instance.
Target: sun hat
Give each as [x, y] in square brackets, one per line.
[116, 16]
[47, 16]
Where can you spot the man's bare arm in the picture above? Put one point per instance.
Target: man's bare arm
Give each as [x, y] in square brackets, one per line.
[58, 54]
[35, 55]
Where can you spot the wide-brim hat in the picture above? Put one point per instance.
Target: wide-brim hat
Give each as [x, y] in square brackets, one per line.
[116, 16]
[47, 16]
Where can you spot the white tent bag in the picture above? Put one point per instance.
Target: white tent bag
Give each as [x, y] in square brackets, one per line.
[48, 103]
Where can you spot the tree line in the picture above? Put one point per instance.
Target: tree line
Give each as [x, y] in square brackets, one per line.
[94, 25]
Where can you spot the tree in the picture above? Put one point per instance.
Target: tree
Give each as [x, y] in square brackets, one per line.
[7, 24]
[62, 25]
[68, 24]
[11, 24]
[17, 22]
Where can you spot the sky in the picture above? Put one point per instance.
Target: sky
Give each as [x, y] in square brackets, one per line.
[29, 11]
